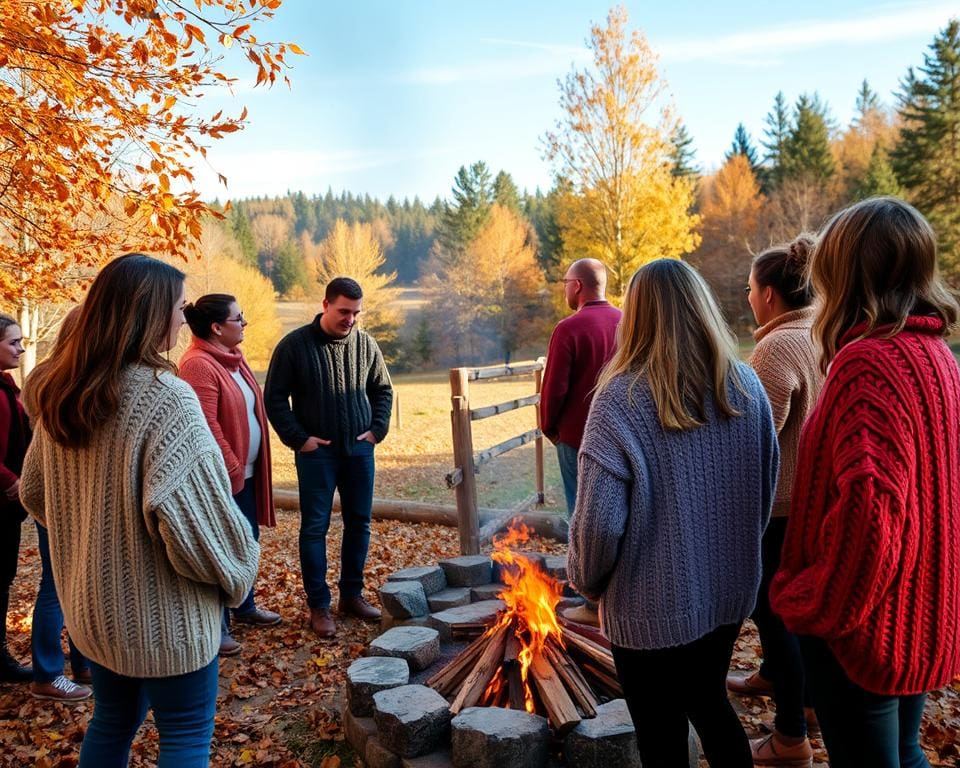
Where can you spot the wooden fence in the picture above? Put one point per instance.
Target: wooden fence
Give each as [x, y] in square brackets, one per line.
[462, 478]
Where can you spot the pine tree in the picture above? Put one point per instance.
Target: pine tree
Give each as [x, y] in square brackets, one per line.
[776, 134]
[926, 158]
[505, 192]
[879, 178]
[289, 270]
[806, 153]
[743, 145]
[683, 153]
[867, 101]
[472, 198]
[243, 233]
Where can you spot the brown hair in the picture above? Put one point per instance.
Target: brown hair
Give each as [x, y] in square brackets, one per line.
[673, 335]
[5, 322]
[784, 268]
[207, 310]
[28, 394]
[125, 319]
[876, 263]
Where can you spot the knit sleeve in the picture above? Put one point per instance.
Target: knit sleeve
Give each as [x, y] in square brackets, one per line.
[779, 381]
[197, 373]
[276, 396]
[597, 526]
[556, 382]
[188, 505]
[828, 584]
[379, 392]
[31, 482]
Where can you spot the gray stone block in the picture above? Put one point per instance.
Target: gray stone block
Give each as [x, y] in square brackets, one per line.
[536, 558]
[367, 676]
[378, 756]
[556, 566]
[606, 740]
[438, 759]
[430, 576]
[358, 730]
[404, 599]
[389, 622]
[452, 597]
[491, 737]
[484, 612]
[411, 720]
[420, 646]
[468, 570]
[486, 592]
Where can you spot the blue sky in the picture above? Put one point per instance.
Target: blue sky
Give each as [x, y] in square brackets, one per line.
[393, 97]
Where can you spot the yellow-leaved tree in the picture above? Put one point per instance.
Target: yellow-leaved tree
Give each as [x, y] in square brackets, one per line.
[626, 207]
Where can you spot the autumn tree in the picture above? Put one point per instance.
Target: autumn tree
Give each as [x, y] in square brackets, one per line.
[613, 143]
[99, 128]
[730, 204]
[864, 147]
[743, 145]
[927, 155]
[353, 250]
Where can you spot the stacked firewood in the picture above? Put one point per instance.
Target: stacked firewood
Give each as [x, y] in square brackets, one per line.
[570, 677]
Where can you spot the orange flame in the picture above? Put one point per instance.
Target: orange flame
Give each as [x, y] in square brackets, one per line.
[531, 597]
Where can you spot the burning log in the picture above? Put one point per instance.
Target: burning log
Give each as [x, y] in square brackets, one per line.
[447, 679]
[561, 711]
[483, 671]
[587, 703]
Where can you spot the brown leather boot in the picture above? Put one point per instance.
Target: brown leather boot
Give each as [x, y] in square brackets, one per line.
[751, 685]
[357, 606]
[321, 622]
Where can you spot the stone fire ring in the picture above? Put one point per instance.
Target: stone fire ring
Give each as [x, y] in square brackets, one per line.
[392, 720]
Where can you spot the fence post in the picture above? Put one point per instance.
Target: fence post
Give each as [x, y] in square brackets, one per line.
[398, 421]
[538, 381]
[468, 517]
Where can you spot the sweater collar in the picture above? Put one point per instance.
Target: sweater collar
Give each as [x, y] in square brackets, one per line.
[229, 359]
[929, 324]
[325, 337]
[802, 317]
[7, 382]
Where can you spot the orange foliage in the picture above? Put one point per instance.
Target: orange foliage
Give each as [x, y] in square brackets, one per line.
[98, 126]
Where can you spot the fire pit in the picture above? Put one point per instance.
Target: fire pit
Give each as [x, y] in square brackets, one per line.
[528, 690]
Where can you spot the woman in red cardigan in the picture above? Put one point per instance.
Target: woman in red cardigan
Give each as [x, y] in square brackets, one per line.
[232, 402]
[870, 572]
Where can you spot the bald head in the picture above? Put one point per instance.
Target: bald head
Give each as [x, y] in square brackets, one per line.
[587, 281]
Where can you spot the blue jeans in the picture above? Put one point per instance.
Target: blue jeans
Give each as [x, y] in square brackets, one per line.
[861, 728]
[183, 709]
[319, 472]
[567, 456]
[47, 627]
[247, 501]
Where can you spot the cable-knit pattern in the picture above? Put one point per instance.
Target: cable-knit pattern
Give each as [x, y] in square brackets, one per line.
[785, 359]
[327, 387]
[871, 561]
[146, 542]
[667, 526]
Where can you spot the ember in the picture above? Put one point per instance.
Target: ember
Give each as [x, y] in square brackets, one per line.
[525, 659]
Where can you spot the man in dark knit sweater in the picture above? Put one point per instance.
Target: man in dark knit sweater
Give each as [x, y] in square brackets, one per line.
[579, 348]
[328, 396]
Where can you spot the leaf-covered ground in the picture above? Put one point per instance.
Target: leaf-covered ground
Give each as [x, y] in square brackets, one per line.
[280, 699]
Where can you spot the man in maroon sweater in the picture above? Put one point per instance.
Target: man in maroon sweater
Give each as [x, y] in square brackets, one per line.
[579, 347]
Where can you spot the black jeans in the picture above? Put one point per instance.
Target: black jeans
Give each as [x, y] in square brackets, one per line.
[861, 728]
[10, 521]
[782, 663]
[667, 686]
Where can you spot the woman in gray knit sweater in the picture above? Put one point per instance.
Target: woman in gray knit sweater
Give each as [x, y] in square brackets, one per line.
[146, 543]
[678, 471]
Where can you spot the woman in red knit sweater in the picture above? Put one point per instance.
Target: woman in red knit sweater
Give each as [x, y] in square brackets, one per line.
[870, 571]
[232, 402]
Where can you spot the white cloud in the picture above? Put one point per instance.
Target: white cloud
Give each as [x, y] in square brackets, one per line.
[885, 24]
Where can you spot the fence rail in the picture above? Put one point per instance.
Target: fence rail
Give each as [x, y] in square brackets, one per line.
[462, 478]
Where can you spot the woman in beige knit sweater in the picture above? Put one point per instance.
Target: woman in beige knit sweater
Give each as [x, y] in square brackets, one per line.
[786, 361]
[146, 542]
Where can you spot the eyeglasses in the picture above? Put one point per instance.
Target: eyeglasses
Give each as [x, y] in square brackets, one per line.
[570, 280]
[238, 319]
[747, 289]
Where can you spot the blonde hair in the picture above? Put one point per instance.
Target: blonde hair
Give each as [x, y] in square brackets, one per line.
[673, 335]
[876, 263]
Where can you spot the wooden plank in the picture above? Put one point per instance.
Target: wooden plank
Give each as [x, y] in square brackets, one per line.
[608, 682]
[466, 490]
[595, 653]
[510, 405]
[496, 371]
[591, 633]
[561, 711]
[440, 681]
[454, 478]
[507, 445]
[479, 678]
[538, 450]
[573, 680]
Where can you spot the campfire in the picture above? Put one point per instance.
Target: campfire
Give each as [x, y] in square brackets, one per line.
[530, 658]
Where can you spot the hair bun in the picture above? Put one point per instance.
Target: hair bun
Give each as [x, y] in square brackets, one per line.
[799, 251]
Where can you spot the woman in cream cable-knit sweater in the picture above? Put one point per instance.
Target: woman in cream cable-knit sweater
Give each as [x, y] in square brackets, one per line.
[145, 539]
